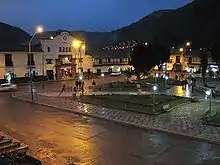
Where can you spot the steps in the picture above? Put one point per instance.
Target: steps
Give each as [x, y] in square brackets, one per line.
[9, 145]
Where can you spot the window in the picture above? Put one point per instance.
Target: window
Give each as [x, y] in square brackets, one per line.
[49, 61]
[109, 60]
[60, 49]
[120, 60]
[66, 49]
[8, 60]
[63, 49]
[48, 49]
[177, 59]
[100, 61]
[70, 49]
[30, 59]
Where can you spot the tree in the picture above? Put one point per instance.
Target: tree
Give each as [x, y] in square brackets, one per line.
[204, 65]
[215, 52]
[128, 73]
[145, 57]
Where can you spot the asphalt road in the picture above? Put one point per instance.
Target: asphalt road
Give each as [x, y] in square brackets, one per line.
[58, 137]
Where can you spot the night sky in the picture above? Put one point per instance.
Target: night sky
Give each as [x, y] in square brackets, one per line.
[92, 15]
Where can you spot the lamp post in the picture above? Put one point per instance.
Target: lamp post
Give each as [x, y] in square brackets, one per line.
[166, 78]
[188, 44]
[39, 29]
[156, 76]
[80, 46]
[209, 94]
[154, 88]
[154, 99]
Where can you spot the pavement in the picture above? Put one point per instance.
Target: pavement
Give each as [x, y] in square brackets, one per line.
[182, 120]
[58, 137]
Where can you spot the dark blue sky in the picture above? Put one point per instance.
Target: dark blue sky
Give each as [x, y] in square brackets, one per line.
[93, 15]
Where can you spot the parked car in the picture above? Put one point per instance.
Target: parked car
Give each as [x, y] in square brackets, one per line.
[7, 87]
[115, 74]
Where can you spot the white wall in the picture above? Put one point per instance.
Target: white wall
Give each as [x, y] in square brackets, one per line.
[64, 39]
[20, 67]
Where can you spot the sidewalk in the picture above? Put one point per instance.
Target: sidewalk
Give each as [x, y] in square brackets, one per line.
[184, 120]
[70, 94]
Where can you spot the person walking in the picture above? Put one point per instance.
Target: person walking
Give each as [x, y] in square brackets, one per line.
[63, 89]
[93, 84]
[82, 87]
[77, 84]
[80, 84]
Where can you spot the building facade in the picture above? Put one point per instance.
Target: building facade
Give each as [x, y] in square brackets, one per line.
[57, 55]
[189, 61]
[111, 61]
[64, 55]
[17, 62]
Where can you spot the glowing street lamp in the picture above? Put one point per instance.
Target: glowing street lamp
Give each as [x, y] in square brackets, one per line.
[181, 49]
[76, 43]
[209, 94]
[39, 29]
[79, 45]
[188, 44]
[83, 47]
[155, 89]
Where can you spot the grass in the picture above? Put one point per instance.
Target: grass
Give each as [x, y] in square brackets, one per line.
[215, 120]
[135, 103]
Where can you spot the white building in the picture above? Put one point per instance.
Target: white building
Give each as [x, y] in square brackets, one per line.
[111, 61]
[58, 54]
[16, 61]
[64, 55]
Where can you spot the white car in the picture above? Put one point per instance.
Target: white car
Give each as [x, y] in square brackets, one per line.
[7, 87]
[115, 74]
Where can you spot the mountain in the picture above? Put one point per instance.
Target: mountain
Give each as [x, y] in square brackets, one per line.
[10, 35]
[197, 21]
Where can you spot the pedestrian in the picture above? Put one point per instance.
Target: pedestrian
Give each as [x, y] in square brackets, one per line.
[185, 83]
[93, 84]
[176, 76]
[63, 89]
[82, 86]
[74, 92]
[77, 84]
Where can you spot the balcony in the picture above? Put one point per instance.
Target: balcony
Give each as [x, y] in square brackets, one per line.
[110, 63]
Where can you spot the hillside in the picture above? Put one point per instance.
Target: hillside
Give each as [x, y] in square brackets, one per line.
[197, 22]
[10, 35]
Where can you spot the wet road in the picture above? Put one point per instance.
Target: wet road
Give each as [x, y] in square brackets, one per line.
[58, 137]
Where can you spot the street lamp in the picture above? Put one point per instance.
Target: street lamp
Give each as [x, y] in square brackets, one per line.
[154, 88]
[181, 49]
[166, 78]
[209, 94]
[79, 45]
[188, 44]
[39, 29]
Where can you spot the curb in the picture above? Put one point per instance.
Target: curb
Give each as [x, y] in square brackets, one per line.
[49, 81]
[123, 122]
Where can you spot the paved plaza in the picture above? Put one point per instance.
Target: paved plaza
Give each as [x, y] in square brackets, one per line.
[183, 120]
[58, 137]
